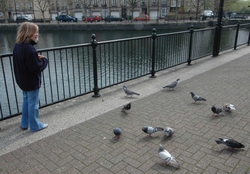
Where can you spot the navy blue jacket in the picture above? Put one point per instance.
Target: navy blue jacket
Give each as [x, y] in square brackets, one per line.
[27, 66]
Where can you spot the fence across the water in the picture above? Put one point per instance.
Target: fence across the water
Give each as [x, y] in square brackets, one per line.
[85, 68]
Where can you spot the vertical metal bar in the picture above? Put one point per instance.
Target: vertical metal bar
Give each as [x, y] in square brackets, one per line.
[79, 72]
[50, 81]
[217, 36]
[94, 45]
[67, 70]
[153, 53]
[13, 82]
[6, 88]
[62, 75]
[248, 42]
[57, 87]
[190, 45]
[236, 35]
[73, 69]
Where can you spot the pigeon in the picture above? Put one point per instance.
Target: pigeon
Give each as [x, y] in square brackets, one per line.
[228, 107]
[196, 97]
[149, 130]
[117, 131]
[168, 132]
[172, 85]
[126, 107]
[167, 157]
[129, 92]
[217, 111]
[230, 143]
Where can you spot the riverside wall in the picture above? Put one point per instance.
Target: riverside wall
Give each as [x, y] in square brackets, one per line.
[111, 26]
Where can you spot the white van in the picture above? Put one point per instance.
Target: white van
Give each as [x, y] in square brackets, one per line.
[207, 13]
[29, 16]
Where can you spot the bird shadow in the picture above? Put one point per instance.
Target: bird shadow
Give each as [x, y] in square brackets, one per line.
[148, 138]
[129, 97]
[227, 150]
[165, 139]
[114, 140]
[163, 166]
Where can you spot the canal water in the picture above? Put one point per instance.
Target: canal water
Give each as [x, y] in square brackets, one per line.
[49, 39]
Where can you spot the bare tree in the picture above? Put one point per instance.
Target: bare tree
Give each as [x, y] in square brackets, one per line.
[132, 4]
[4, 7]
[42, 5]
[215, 3]
[198, 5]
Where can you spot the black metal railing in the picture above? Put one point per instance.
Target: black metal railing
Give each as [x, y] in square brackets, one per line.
[85, 68]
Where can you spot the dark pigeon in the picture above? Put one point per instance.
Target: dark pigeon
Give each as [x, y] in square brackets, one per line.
[230, 143]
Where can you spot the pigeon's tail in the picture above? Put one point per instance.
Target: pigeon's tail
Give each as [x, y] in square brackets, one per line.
[220, 141]
[174, 163]
[136, 93]
[202, 99]
[158, 129]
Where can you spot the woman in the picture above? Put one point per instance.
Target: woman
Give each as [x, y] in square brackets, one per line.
[28, 66]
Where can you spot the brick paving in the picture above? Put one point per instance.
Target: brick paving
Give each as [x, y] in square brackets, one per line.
[90, 147]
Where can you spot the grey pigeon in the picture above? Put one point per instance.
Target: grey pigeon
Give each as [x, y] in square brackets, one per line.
[126, 107]
[228, 107]
[216, 111]
[230, 143]
[172, 85]
[167, 157]
[129, 92]
[149, 130]
[117, 131]
[168, 132]
[196, 97]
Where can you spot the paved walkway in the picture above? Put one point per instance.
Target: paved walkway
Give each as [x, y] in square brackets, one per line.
[79, 138]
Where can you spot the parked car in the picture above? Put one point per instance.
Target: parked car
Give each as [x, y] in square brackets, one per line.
[207, 13]
[67, 18]
[236, 16]
[113, 18]
[21, 19]
[143, 17]
[92, 18]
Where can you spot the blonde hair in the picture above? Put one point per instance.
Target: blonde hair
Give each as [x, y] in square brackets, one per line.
[25, 31]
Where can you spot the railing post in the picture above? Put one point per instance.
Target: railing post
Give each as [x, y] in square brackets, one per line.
[236, 35]
[217, 35]
[190, 45]
[153, 53]
[248, 42]
[94, 45]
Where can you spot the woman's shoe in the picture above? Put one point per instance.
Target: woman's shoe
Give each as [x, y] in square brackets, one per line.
[44, 127]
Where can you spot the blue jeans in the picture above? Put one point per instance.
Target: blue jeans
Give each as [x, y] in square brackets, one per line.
[30, 111]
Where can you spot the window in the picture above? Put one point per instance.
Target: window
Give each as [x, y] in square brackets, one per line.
[104, 2]
[164, 2]
[154, 2]
[78, 6]
[123, 2]
[114, 3]
[143, 2]
[173, 3]
[164, 12]
[95, 3]
[105, 12]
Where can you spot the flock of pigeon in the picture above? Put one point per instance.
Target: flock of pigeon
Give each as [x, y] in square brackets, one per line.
[168, 131]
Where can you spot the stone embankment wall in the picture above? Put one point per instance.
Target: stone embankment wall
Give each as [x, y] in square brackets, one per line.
[111, 26]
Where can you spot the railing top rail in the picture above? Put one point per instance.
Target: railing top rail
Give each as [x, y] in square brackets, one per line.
[125, 39]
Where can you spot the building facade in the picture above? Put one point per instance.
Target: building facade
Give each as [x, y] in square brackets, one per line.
[49, 9]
